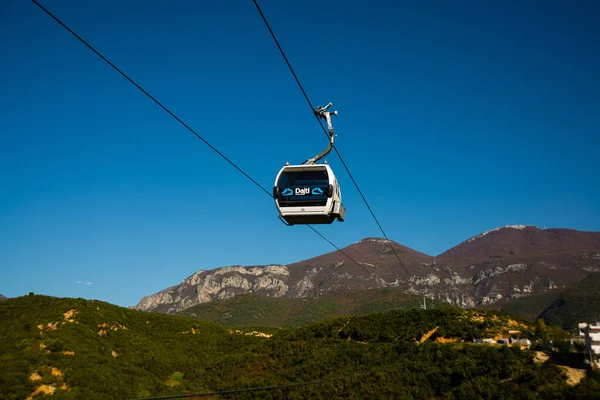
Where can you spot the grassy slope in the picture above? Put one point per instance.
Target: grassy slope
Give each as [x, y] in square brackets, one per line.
[375, 354]
[253, 310]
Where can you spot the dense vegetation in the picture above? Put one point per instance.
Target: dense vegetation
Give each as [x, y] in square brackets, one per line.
[579, 303]
[530, 307]
[94, 350]
[104, 351]
[254, 310]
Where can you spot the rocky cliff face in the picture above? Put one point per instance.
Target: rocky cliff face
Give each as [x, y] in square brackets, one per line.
[488, 269]
[221, 283]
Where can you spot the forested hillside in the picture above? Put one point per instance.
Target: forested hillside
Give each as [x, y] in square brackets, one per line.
[530, 307]
[77, 348]
[255, 310]
[579, 303]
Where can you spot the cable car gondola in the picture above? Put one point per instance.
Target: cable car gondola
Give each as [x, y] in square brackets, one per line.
[309, 193]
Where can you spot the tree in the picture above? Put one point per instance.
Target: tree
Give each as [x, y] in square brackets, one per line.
[541, 331]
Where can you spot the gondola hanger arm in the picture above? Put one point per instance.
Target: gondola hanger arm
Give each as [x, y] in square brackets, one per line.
[323, 112]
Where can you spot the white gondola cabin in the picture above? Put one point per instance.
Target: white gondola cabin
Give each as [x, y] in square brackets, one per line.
[309, 193]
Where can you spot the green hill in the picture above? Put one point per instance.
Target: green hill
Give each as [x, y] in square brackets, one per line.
[93, 349]
[83, 349]
[579, 303]
[254, 310]
[530, 307]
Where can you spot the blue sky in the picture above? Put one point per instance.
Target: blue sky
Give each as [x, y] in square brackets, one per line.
[454, 118]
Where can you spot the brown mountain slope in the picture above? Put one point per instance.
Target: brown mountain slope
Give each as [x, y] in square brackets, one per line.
[521, 241]
[374, 255]
[489, 269]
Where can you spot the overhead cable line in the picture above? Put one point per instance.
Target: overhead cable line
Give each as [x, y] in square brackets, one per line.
[344, 253]
[325, 131]
[254, 389]
[346, 379]
[149, 95]
[172, 114]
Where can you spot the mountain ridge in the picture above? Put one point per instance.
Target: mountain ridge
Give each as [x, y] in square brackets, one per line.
[524, 240]
[500, 264]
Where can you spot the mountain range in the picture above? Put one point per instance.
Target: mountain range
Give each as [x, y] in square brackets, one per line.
[487, 270]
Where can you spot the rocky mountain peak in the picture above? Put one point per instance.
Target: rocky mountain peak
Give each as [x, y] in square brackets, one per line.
[518, 227]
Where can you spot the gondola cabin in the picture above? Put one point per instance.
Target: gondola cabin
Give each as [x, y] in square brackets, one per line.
[308, 194]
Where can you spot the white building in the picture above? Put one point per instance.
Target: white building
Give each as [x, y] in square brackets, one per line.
[521, 342]
[591, 333]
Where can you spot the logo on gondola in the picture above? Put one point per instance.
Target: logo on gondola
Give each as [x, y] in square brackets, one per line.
[302, 192]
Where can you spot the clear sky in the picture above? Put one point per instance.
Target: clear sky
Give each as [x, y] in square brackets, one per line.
[454, 118]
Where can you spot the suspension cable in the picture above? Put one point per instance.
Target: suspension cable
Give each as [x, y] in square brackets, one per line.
[254, 389]
[172, 114]
[325, 131]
